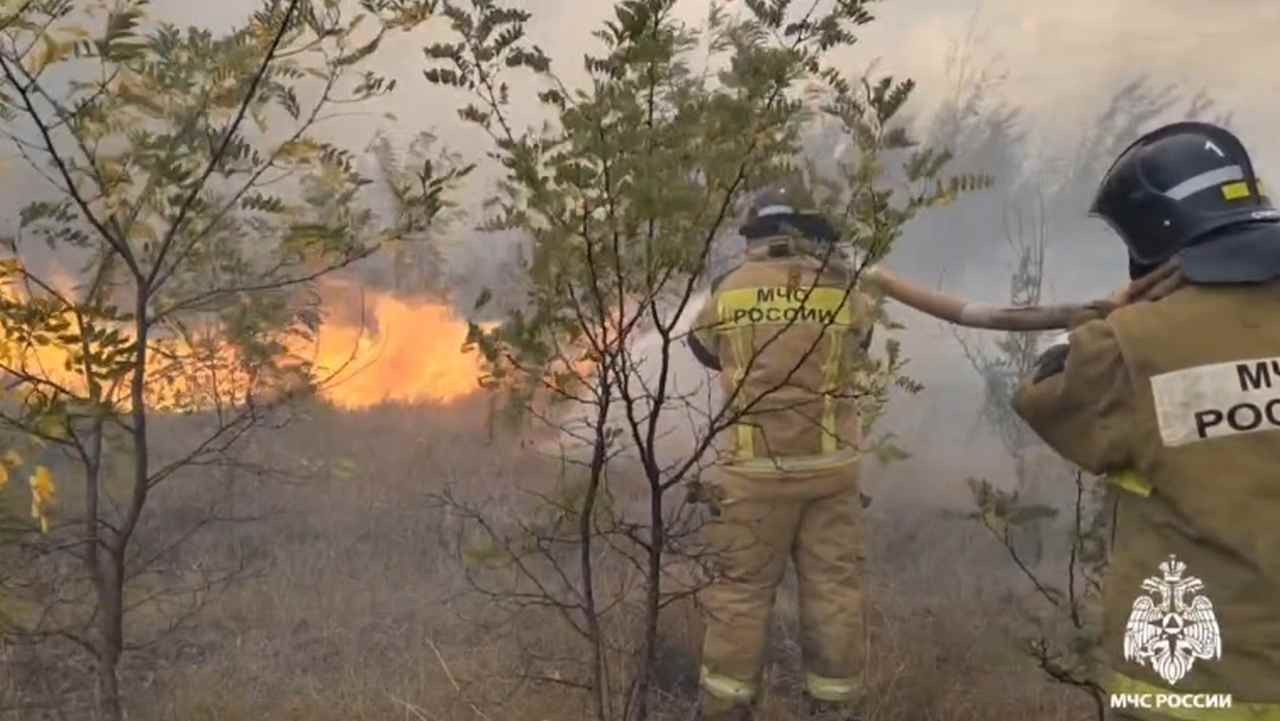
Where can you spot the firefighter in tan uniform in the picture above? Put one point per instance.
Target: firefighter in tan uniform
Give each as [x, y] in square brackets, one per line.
[786, 332]
[1176, 399]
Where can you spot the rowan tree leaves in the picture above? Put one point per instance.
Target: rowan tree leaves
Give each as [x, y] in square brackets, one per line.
[192, 198]
[621, 199]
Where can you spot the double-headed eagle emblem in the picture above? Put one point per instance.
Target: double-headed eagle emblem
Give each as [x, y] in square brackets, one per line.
[1172, 633]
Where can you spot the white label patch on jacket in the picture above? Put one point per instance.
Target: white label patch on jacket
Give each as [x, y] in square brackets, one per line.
[1212, 401]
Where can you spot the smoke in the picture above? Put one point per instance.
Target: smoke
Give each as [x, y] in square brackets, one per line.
[1021, 90]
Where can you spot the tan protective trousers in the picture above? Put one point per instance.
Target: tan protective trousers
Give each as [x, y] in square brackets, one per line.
[752, 540]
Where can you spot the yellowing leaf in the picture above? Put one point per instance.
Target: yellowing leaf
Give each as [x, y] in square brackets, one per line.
[42, 495]
[4, 477]
[142, 232]
[51, 52]
[299, 150]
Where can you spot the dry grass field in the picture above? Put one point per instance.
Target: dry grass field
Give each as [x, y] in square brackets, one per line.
[355, 607]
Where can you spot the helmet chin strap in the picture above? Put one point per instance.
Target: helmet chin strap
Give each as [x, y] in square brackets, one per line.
[787, 245]
[773, 246]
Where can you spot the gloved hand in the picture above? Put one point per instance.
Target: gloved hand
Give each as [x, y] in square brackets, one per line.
[1151, 287]
[698, 492]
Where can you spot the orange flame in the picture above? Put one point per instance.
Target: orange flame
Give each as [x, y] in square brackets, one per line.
[408, 351]
[404, 350]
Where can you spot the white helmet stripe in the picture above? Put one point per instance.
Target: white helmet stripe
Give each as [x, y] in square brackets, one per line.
[1205, 180]
[775, 210]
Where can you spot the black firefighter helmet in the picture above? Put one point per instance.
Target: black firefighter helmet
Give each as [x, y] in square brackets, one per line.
[1189, 188]
[786, 208]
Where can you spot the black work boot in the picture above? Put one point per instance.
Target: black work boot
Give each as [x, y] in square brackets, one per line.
[831, 710]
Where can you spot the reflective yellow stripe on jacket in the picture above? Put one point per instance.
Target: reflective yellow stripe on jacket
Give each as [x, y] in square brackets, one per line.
[830, 379]
[1130, 481]
[798, 464]
[741, 353]
[739, 310]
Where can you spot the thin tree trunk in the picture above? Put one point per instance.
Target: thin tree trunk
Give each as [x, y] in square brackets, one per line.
[110, 630]
[589, 597]
[599, 679]
[105, 578]
[111, 590]
[653, 596]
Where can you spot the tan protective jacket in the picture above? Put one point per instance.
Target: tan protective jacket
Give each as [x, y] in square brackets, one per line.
[790, 337]
[1178, 401]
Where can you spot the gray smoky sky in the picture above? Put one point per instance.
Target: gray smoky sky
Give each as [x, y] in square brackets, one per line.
[1060, 59]
[1060, 64]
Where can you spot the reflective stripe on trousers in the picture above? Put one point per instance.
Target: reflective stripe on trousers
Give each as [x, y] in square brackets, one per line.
[726, 688]
[1118, 683]
[824, 688]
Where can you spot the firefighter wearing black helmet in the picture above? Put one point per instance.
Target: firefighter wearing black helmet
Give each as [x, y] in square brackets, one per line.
[1176, 400]
[787, 333]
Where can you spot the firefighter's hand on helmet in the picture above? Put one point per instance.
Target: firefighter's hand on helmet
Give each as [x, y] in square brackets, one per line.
[1153, 286]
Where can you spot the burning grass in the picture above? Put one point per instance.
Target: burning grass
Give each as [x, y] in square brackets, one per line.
[378, 347]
